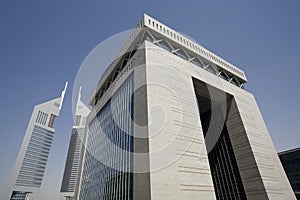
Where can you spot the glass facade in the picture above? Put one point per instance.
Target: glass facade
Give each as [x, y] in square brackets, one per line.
[223, 166]
[226, 177]
[72, 163]
[291, 164]
[35, 159]
[108, 159]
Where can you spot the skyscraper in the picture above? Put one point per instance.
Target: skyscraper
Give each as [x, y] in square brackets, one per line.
[172, 120]
[32, 159]
[75, 148]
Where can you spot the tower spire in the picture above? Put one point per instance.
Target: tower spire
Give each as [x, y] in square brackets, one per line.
[63, 95]
[79, 96]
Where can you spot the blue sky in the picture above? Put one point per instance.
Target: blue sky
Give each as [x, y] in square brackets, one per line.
[43, 43]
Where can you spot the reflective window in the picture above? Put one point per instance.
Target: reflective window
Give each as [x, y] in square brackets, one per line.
[235, 82]
[182, 54]
[148, 37]
[197, 62]
[224, 76]
[165, 46]
[211, 69]
[108, 159]
[223, 163]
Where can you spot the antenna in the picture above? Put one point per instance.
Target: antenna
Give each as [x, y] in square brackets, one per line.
[79, 97]
[79, 93]
[63, 95]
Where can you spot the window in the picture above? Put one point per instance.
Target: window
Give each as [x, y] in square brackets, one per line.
[223, 163]
[51, 121]
[197, 62]
[165, 45]
[223, 76]
[78, 119]
[100, 181]
[182, 54]
[41, 118]
[147, 37]
[235, 82]
[211, 69]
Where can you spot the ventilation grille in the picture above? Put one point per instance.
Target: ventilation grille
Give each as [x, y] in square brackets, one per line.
[41, 118]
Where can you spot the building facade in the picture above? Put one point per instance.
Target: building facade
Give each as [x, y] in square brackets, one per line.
[28, 172]
[75, 148]
[172, 120]
[291, 163]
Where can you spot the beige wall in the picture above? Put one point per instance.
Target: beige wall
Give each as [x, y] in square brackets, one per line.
[178, 159]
